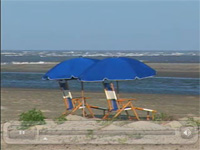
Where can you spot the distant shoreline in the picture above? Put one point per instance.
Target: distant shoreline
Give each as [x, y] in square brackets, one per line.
[186, 70]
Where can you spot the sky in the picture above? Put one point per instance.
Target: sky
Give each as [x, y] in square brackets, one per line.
[100, 25]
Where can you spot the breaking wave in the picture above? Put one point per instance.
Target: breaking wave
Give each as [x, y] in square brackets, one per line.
[99, 53]
[21, 63]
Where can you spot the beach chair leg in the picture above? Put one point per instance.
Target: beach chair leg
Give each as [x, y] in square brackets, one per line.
[136, 115]
[148, 116]
[127, 113]
[65, 112]
[134, 111]
[84, 113]
[90, 110]
[118, 113]
[106, 115]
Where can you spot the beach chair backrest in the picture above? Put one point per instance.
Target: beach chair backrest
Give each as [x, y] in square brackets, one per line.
[111, 96]
[66, 93]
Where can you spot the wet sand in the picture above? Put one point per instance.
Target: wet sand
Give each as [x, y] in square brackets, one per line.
[163, 69]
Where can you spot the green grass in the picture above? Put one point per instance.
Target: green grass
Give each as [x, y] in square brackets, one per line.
[90, 134]
[122, 140]
[192, 122]
[31, 118]
[163, 117]
[61, 119]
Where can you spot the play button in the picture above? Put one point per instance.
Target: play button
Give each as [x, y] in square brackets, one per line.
[187, 132]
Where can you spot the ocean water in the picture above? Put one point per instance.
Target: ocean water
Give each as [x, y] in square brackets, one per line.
[160, 85]
[48, 57]
[155, 85]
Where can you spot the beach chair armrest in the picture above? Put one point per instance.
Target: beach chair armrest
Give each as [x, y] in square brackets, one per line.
[79, 98]
[126, 99]
[75, 99]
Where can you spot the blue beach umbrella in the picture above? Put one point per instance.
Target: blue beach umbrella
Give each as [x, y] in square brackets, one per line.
[117, 69]
[69, 69]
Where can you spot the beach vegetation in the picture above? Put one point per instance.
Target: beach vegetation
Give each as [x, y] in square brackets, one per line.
[104, 122]
[31, 118]
[192, 122]
[61, 119]
[163, 117]
[90, 134]
[122, 140]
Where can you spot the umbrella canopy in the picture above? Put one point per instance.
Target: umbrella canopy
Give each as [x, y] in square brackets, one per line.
[117, 69]
[69, 69]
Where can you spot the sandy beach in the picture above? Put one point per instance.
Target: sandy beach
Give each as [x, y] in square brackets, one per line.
[14, 101]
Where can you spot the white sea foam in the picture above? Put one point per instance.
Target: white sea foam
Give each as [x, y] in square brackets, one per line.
[7, 53]
[14, 55]
[177, 54]
[4, 63]
[100, 53]
[40, 62]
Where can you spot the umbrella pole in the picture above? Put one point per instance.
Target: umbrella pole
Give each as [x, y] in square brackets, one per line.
[117, 89]
[83, 99]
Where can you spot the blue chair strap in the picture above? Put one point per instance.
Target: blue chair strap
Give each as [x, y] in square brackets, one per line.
[70, 105]
[114, 104]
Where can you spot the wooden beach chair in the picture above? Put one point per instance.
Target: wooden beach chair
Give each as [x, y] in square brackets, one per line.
[72, 104]
[117, 105]
[114, 103]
